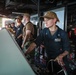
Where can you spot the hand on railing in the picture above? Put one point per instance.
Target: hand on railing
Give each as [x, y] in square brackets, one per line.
[60, 70]
[59, 59]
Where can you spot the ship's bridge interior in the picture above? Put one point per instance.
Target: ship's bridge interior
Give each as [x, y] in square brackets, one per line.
[13, 60]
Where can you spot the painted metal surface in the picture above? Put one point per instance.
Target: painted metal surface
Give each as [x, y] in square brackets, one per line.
[12, 60]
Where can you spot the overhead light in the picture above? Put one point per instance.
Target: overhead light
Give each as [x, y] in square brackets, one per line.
[17, 13]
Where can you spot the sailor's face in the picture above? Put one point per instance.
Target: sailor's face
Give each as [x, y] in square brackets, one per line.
[48, 22]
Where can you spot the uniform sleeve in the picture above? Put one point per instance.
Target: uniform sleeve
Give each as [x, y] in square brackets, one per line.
[65, 42]
[39, 39]
[28, 26]
[24, 28]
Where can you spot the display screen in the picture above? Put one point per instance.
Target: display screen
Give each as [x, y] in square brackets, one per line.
[60, 14]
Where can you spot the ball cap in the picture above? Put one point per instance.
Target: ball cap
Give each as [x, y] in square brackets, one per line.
[26, 14]
[19, 17]
[50, 15]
